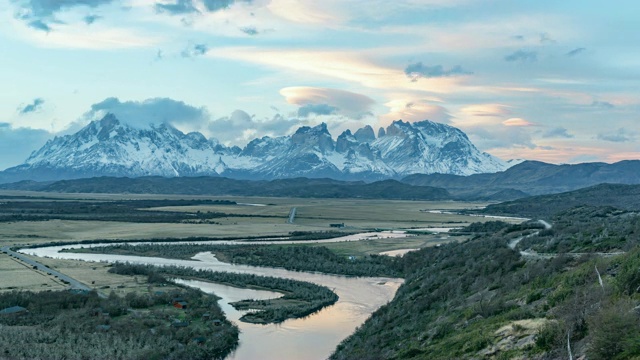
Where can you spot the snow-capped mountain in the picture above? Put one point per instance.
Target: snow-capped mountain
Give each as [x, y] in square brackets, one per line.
[108, 147]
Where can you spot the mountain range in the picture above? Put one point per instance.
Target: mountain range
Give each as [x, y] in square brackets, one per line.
[531, 178]
[109, 147]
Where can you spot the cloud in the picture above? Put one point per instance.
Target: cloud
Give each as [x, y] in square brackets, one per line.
[240, 127]
[522, 56]
[494, 137]
[151, 111]
[418, 70]
[194, 50]
[558, 132]
[250, 30]
[602, 104]
[343, 102]
[619, 136]
[181, 7]
[216, 5]
[39, 13]
[91, 37]
[318, 109]
[546, 39]
[90, 19]
[36, 105]
[349, 66]
[517, 122]
[413, 110]
[576, 51]
[16, 144]
[486, 110]
[39, 25]
[307, 12]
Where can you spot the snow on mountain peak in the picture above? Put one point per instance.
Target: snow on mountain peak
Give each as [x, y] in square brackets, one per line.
[110, 147]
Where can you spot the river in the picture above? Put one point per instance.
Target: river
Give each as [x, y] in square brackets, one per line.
[313, 337]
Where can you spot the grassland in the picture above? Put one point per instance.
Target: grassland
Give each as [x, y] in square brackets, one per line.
[242, 220]
[17, 275]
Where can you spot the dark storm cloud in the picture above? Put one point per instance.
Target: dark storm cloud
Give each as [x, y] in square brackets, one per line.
[419, 70]
[34, 106]
[522, 56]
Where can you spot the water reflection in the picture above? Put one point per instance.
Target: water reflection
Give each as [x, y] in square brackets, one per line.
[314, 337]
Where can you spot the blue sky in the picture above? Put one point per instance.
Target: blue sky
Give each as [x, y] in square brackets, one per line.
[557, 81]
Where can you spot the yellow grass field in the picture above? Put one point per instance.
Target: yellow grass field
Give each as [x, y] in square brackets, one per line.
[17, 275]
[245, 219]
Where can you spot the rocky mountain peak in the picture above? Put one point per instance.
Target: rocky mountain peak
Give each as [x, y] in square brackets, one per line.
[111, 148]
[345, 141]
[317, 137]
[365, 134]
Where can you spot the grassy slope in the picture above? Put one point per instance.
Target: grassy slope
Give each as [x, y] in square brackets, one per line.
[456, 297]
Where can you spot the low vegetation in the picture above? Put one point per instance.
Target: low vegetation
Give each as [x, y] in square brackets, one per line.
[67, 325]
[624, 197]
[294, 235]
[290, 257]
[587, 229]
[480, 299]
[26, 209]
[300, 298]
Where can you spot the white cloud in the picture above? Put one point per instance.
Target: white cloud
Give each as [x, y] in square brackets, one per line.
[414, 109]
[83, 36]
[349, 66]
[346, 103]
[517, 122]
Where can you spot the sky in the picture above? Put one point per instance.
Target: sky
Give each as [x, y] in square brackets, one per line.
[548, 80]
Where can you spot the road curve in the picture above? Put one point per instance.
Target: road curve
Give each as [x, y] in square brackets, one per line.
[513, 243]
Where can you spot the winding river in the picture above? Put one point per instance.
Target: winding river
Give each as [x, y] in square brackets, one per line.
[313, 337]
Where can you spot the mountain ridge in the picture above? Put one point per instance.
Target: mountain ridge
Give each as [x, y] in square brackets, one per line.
[534, 178]
[108, 147]
[221, 186]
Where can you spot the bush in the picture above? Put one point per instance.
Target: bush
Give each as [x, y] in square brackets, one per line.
[614, 332]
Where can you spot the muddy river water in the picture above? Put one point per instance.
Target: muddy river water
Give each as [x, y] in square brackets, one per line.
[313, 337]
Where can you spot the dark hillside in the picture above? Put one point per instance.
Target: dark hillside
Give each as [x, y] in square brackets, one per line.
[480, 299]
[219, 186]
[626, 197]
[534, 178]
